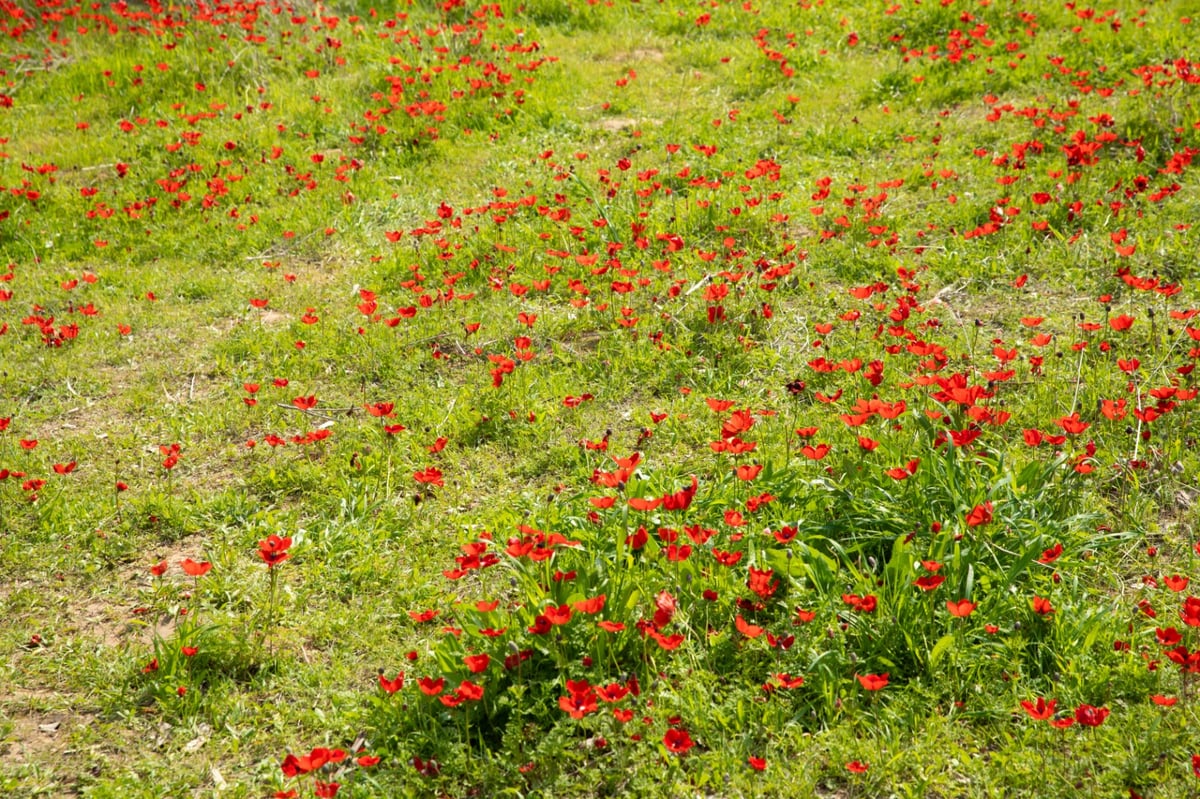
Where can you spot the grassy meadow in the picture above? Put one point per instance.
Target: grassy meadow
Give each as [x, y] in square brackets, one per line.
[599, 398]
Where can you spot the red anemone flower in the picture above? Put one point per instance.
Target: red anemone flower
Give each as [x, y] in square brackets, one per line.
[873, 682]
[1040, 710]
[682, 498]
[1090, 716]
[477, 663]
[391, 686]
[194, 569]
[678, 741]
[293, 766]
[980, 514]
[430, 686]
[430, 476]
[274, 550]
[325, 790]
[1042, 606]
[1175, 582]
[747, 629]
[960, 608]
[1052, 554]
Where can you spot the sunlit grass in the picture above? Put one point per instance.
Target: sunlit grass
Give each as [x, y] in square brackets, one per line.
[462, 299]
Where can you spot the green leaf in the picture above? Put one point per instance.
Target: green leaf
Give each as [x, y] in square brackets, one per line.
[1023, 562]
[941, 648]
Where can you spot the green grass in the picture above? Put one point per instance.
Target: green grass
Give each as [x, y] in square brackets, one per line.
[551, 235]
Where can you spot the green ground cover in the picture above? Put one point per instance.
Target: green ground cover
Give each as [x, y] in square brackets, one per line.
[599, 398]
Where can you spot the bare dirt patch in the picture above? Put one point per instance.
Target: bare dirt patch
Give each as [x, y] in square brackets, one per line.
[113, 623]
[641, 54]
[36, 737]
[619, 124]
[273, 319]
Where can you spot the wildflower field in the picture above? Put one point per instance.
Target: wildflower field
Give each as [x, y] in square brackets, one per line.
[599, 398]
